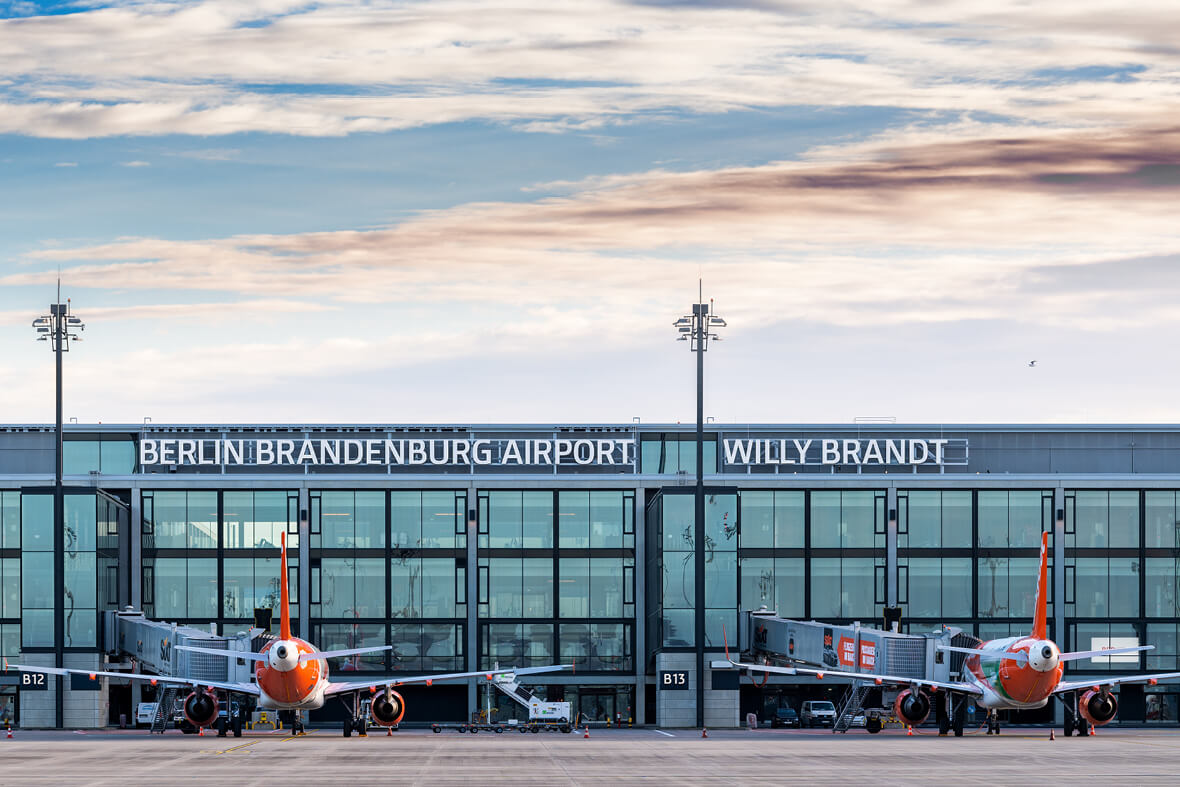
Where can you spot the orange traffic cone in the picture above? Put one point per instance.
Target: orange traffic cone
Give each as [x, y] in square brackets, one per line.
[704, 732]
[389, 732]
[909, 730]
[10, 732]
[200, 732]
[587, 729]
[1051, 737]
[1093, 730]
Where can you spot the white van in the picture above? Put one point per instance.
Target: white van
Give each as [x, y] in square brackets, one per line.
[145, 713]
[818, 713]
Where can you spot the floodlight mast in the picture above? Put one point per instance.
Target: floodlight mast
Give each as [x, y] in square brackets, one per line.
[699, 326]
[58, 328]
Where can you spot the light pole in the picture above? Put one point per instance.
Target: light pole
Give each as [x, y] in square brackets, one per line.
[697, 329]
[58, 328]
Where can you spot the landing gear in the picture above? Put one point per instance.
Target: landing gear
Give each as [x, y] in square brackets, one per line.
[873, 725]
[222, 728]
[993, 723]
[954, 715]
[237, 726]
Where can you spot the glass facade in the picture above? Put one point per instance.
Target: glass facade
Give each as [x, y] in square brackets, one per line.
[576, 600]
[214, 556]
[555, 566]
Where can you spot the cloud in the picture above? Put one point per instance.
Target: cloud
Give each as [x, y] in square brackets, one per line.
[65, 164]
[939, 230]
[134, 164]
[240, 310]
[224, 66]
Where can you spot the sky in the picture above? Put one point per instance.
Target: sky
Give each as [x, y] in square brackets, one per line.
[461, 212]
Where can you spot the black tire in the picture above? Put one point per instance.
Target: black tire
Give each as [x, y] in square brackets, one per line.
[499, 729]
[873, 725]
[222, 728]
[567, 729]
[435, 729]
[348, 728]
[523, 729]
[1083, 727]
[362, 726]
[536, 729]
[474, 729]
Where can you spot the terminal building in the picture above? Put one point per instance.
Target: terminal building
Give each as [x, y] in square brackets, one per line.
[465, 547]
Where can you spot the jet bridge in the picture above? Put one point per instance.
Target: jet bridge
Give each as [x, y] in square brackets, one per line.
[764, 637]
[151, 643]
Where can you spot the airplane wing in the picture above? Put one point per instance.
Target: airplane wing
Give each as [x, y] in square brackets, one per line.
[1081, 685]
[381, 682]
[1020, 657]
[243, 688]
[895, 680]
[1078, 655]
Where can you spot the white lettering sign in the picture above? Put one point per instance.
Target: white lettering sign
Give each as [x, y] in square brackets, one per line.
[385, 452]
[845, 451]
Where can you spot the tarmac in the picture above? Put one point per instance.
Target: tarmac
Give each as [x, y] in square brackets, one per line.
[609, 757]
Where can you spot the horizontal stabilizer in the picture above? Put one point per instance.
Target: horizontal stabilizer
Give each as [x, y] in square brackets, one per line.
[331, 654]
[1090, 654]
[229, 654]
[1019, 657]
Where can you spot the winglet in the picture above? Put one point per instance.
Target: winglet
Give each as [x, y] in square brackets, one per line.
[284, 611]
[1041, 615]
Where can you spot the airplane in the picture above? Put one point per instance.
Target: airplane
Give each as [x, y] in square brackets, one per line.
[290, 675]
[1014, 673]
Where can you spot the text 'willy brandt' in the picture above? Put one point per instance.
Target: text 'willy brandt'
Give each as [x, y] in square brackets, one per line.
[386, 452]
[833, 451]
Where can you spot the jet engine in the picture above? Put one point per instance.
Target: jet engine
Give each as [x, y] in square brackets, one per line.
[1098, 707]
[200, 708]
[912, 707]
[388, 708]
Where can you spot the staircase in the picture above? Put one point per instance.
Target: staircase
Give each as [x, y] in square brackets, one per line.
[164, 710]
[851, 704]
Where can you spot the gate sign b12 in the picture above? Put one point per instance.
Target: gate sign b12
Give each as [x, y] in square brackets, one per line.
[673, 680]
[34, 681]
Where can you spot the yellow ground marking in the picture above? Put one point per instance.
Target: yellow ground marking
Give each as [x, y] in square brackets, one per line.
[297, 737]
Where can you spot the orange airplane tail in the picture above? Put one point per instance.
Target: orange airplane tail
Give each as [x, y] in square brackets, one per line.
[285, 611]
[1041, 615]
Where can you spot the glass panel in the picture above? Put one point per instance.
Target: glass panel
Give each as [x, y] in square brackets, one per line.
[538, 587]
[678, 627]
[678, 522]
[79, 457]
[789, 517]
[504, 588]
[37, 583]
[117, 457]
[993, 519]
[537, 520]
[1025, 518]
[858, 588]
[10, 587]
[825, 586]
[370, 521]
[343, 636]
[406, 587]
[1163, 584]
[757, 521]
[10, 520]
[505, 517]
[757, 581]
[37, 524]
[606, 520]
[1090, 519]
[679, 587]
[1124, 519]
[408, 528]
[439, 511]
[337, 512]
[574, 519]
[438, 587]
[789, 582]
[202, 520]
[825, 522]
[1163, 526]
[574, 581]
[923, 514]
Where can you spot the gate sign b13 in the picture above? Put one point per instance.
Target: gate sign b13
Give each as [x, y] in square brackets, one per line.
[674, 680]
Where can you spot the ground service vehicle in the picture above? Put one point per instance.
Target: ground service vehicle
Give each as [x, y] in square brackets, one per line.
[818, 713]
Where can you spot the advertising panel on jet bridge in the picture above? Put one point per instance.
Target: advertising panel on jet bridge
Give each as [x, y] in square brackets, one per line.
[823, 645]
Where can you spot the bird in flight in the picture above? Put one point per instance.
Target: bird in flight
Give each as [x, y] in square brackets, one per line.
[1032, 363]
